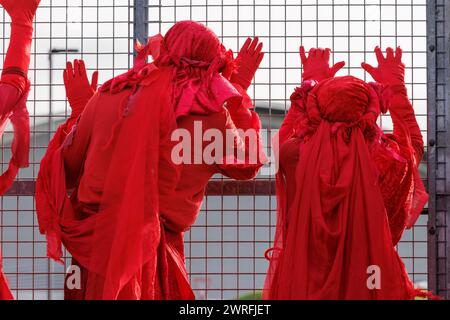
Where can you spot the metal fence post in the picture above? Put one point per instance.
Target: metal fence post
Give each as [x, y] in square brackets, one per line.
[140, 20]
[438, 19]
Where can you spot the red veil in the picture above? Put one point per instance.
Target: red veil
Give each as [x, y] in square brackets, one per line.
[121, 240]
[336, 228]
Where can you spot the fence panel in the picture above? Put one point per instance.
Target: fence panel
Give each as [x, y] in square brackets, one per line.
[225, 249]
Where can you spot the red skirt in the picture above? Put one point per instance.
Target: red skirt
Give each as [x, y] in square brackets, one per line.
[170, 283]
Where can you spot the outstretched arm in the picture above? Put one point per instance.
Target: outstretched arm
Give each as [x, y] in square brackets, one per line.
[244, 157]
[400, 183]
[78, 90]
[391, 74]
[17, 61]
[14, 85]
[243, 126]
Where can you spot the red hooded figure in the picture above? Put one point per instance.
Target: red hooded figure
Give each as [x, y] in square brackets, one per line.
[107, 187]
[14, 87]
[346, 191]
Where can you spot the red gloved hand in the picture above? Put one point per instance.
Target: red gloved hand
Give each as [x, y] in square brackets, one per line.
[391, 70]
[78, 89]
[248, 61]
[317, 65]
[21, 11]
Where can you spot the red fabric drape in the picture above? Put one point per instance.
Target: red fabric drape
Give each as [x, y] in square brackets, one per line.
[5, 293]
[129, 256]
[333, 226]
[111, 243]
[13, 109]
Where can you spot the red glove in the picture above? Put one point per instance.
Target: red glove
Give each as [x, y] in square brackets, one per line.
[21, 11]
[317, 65]
[78, 89]
[17, 59]
[391, 74]
[248, 61]
[391, 70]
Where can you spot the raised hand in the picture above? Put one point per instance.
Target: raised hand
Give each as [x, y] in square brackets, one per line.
[248, 61]
[78, 88]
[390, 70]
[317, 65]
[21, 10]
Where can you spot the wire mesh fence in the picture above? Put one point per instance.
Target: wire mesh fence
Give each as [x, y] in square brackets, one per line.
[100, 32]
[225, 248]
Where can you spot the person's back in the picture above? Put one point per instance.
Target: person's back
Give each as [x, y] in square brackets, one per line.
[93, 147]
[116, 160]
[181, 210]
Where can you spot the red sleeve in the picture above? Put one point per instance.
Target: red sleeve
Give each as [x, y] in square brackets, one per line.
[13, 108]
[9, 96]
[397, 159]
[395, 180]
[244, 156]
[296, 121]
[288, 127]
[403, 117]
[168, 171]
[77, 131]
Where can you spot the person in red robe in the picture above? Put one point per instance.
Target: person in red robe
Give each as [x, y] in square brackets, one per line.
[240, 160]
[14, 88]
[114, 157]
[345, 190]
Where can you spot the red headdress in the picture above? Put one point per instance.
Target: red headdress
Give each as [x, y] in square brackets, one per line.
[201, 66]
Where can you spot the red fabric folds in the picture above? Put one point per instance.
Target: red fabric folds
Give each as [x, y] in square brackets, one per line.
[111, 243]
[201, 64]
[333, 225]
[16, 112]
[13, 108]
[111, 223]
[5, 293]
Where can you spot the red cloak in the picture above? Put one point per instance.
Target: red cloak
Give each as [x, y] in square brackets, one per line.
[117, 160]
[333, 227]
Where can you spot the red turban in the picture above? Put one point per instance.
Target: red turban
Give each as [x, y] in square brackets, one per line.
[201, 65]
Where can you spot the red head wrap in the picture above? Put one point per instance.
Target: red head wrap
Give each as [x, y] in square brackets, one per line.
[201, 68]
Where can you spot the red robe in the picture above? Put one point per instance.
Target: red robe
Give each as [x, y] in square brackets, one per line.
[115, 161]
[118, 161]
[5, 293]
[85, 169]
[82, 161]
[344, 200]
